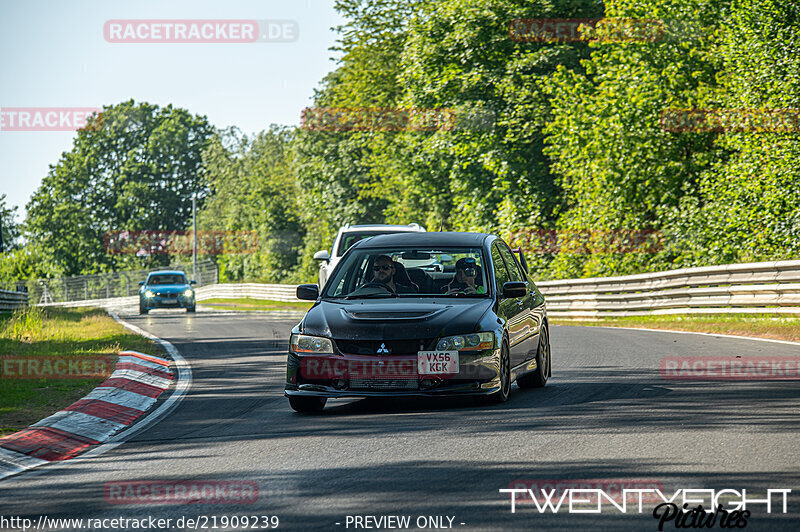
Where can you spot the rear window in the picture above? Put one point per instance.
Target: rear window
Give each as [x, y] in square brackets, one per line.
[348, 239]
[171, 278]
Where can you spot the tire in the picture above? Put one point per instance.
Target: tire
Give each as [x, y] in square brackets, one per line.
[191, 309]
[304, 404]
[142, 309]
[538, 378]
[501, 396]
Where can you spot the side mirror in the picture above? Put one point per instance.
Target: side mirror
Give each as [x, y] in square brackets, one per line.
[513, 289]
[322, 255]
[141, 283]
[308, 292]
[192, 282]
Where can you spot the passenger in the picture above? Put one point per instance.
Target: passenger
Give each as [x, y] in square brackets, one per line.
[464, 280]
[384, 271]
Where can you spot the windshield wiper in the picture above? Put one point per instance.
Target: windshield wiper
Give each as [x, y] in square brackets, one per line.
[376, 295]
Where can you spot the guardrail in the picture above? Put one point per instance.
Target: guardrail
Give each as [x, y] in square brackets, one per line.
[275, 292]
[12, 300]
[761, 287]
[88, 290]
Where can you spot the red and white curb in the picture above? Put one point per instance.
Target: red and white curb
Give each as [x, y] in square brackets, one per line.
[101, 420]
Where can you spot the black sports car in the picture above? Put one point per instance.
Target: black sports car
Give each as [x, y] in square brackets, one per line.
[420, 314]
[166, 289]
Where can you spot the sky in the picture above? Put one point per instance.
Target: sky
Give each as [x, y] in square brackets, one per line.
[55, 54]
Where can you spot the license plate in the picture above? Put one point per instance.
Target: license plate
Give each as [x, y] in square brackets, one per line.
[437, 362]
[169, 301]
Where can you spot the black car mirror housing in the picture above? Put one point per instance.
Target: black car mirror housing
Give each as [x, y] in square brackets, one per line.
[141, 283]
[514, 289]
[192, 282]
[309, 292]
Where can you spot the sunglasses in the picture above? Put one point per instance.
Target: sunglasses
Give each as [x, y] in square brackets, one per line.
[385, 267]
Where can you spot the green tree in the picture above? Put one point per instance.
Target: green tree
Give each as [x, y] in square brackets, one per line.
[135, 167]
[621, 171]
[748, 208]
[254, 191]
[9, 226]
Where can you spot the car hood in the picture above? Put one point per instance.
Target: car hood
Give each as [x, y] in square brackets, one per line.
[167, 288]
[394, 319]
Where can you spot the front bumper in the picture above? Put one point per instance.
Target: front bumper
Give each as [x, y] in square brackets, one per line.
[479, 374]
[181, 301]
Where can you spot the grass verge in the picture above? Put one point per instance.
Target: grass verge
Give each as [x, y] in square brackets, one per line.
[55, 332]
[755, 325]
[248, 303]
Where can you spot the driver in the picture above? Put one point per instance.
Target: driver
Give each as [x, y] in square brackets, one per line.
[383, 272]
[464, 280]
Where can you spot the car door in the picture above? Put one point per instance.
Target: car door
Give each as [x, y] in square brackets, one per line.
[509, 309]
[529, 334]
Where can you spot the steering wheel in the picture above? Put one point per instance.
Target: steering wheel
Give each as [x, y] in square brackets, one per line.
[378, 285]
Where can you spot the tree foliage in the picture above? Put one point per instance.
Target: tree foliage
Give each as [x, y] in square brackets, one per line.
[135, 167]
[566, 138]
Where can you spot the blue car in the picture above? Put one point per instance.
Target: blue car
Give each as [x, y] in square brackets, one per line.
[166, 289]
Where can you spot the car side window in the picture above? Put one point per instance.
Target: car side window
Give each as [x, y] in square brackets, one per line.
[500, 271]
[514, 272]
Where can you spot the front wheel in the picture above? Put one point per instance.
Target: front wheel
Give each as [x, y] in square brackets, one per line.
[142, 309]
[301, 403]
[501, 396]
[191, 309]
[538, 378]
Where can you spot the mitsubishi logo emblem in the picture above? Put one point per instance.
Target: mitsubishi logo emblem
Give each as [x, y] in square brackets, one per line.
[382, 350]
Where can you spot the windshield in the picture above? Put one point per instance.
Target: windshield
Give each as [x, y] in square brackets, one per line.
[167, 279]
[410, 272]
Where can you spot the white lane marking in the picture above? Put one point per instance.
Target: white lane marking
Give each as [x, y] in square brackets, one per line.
[788, 342]
[122, 397]
[81, 424]
[125, 359]
[139, 376]
[182, 386]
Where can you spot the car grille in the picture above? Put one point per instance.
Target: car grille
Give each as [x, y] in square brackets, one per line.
[166, 295]
[371, 347]
[384, 384]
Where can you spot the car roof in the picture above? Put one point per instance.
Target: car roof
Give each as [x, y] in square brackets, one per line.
[416, 228]
[437, 239]
[167, 272]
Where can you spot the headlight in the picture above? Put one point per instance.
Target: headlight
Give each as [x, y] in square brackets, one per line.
[188, 293]
[467, 342]
[311, 344]
[149, 294]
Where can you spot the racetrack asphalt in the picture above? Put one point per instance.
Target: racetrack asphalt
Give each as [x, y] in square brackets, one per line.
[607, 413]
